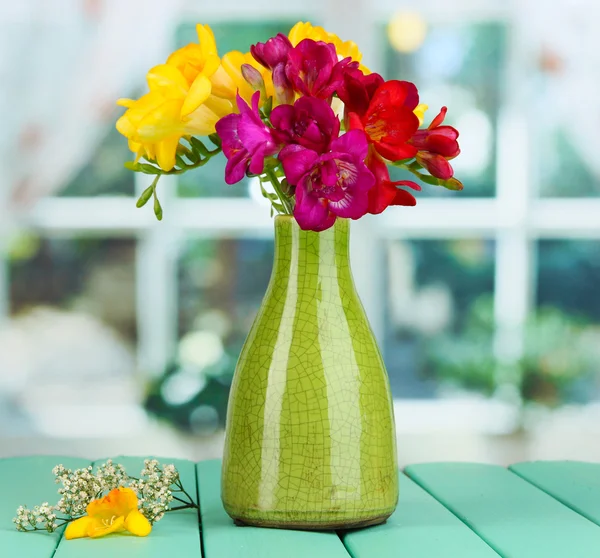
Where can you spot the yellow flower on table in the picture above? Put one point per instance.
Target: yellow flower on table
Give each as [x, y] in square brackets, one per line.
[344, 49]
[117, 511]
[180, 102]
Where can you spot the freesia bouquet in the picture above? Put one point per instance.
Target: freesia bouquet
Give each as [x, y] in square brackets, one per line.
[302, 114]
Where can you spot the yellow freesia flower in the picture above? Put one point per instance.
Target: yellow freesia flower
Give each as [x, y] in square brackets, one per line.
[228, 80]
[117, 511]
[420, 112]
[344, 49]
[180, 102]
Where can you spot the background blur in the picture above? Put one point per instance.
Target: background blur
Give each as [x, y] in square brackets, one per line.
[120, 335]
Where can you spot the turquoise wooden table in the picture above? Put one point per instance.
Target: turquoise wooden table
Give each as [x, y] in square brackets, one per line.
[446, 510]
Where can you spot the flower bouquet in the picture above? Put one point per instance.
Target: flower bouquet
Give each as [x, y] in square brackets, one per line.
[302, 114]
[310, 440]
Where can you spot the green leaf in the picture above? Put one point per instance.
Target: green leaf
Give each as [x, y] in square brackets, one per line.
[146, 195]
[143, 167]
[215, 139]
[193, 156]
[453, 184]
[190, 154]
[268, 107]
[430, 179]
[158, 209]
[180, 162]
[198, 146]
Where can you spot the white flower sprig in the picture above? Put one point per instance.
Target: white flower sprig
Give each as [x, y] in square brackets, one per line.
[158, 486]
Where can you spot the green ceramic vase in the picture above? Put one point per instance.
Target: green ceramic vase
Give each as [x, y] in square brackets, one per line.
[310, 440]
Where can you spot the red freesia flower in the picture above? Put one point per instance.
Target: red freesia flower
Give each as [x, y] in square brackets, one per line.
[385, 192]
[357, 90]
[314, 70]
[436, 145]
[388, 119]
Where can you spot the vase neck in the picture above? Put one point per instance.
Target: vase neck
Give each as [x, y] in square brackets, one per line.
[309, 252]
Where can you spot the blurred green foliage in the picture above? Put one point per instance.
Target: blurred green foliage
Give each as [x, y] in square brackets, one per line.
[559, 363]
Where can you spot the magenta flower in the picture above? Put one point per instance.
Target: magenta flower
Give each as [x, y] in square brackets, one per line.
[310, 123]
[314, 70]
[273, 52]
[246, 141]
[274, 55]
[335, 184]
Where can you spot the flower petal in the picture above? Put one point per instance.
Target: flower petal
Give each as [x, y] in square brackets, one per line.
[198, 93]
[137, 524]
[420, 111]
[437, 165]
[165, 152]
[404, 198]
[78, 528]
[353, 142]
[352, 206]
[98, 528]
[437, 121]
[297, 161]
[396, 94]
[206, 38]
[311, 212]
[396, 152]
[162, 121]
[168, 80]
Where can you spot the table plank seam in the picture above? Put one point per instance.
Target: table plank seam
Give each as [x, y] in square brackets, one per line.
[199, 510]
[452, 511]
[340, 535]
[563, 501]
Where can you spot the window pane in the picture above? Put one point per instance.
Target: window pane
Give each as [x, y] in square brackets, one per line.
[439, 311]
[208, 181]
[460, 66]
[221, 286]
[564, 351]
[565, 145]
[104, 174]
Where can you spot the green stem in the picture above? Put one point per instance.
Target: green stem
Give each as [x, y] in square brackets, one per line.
[186, 507]
[181, 489]
[182, 501]
[277, 187]
[410, 169]
[200, 163]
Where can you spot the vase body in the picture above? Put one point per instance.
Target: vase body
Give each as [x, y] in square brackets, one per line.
[310, 439]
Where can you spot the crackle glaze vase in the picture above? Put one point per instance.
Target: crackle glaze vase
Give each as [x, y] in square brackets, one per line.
[310, 439]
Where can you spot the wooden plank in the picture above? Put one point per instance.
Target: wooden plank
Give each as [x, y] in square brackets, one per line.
[419, 528]
[28, 481]
[515, 518]
[575, 483]
[177, 534]
[222, 538]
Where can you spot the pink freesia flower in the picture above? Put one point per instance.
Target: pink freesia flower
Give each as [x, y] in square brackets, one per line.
[273, 52]
[314, 70]
[274, 55]
[246, 141]
[310, 123]
[335, 184]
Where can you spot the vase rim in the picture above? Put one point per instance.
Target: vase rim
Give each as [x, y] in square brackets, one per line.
[287, 217]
